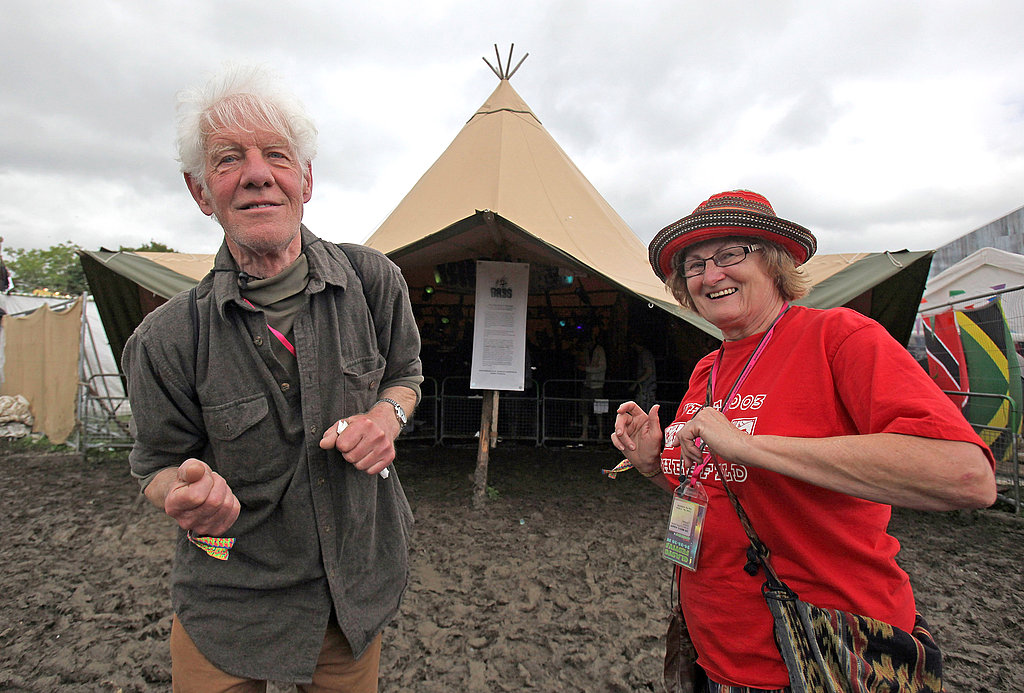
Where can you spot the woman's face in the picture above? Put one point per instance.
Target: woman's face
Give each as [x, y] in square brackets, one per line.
[740, 300]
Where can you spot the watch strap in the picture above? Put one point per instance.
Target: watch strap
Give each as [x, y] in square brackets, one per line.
[400, 415]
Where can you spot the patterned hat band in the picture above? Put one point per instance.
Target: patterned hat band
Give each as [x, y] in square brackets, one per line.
[734, 213]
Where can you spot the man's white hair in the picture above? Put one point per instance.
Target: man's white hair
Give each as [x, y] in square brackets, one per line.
[246, 97]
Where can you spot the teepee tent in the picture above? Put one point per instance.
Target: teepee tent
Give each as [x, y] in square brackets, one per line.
[504, 187]
[505, 190]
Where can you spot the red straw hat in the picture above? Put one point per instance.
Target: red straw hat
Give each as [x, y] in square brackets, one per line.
[732, 213]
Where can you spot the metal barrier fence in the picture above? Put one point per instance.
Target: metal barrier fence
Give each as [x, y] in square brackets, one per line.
[103, 413]
[552, 413]
[563, 404]
[461, 409]
[425, 421]
[1004, 443]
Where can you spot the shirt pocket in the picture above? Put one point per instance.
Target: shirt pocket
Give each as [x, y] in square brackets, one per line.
[241, 436]
[363, 379]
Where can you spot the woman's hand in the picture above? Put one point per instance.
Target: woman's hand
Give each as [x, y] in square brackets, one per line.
[717, 434]
[638, 436]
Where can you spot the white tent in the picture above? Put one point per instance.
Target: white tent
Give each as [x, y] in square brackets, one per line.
[65, 363]
[983, 273]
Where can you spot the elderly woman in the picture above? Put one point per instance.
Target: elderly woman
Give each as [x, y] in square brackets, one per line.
[819, 421]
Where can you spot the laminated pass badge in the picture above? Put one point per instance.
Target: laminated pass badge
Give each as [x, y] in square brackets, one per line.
[686, 524]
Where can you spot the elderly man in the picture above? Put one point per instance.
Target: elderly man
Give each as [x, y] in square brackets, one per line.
[266, 402]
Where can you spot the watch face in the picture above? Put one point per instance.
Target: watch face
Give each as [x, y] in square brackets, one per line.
[401, 413]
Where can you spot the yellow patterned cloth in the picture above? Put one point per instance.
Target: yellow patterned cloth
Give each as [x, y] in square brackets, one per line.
[214, 546]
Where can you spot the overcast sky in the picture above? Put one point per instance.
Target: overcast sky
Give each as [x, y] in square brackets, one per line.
[879, 124]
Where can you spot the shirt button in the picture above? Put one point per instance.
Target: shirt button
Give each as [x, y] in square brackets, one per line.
[321, 481]
[258, 341]
[313, 430]
[285, 387]
[373, 385]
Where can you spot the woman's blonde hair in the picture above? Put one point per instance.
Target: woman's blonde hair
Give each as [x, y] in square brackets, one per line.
[791, 281]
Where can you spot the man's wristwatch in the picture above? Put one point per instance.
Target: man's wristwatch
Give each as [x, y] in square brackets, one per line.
[399, 412]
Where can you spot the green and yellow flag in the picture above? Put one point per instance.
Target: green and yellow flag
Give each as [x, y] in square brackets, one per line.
[994, 368]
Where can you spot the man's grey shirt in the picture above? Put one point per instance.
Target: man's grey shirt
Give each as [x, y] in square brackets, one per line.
[313, 531]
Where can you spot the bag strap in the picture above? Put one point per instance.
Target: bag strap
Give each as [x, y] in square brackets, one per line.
[193, 313]
[758, 553]
[359, 275]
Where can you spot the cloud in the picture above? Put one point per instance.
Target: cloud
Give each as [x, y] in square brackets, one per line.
[867, 121]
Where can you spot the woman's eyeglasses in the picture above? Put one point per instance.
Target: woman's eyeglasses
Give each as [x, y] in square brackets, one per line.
[726, 257]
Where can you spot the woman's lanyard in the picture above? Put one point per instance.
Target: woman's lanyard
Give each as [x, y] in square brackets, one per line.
[727, 402]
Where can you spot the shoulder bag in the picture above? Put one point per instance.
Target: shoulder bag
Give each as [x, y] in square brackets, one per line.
[834, 651]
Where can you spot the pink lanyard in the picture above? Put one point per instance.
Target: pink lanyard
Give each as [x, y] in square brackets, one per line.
[727, 402]
[280, 337]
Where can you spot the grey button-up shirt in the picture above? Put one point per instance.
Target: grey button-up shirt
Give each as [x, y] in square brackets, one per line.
[313, 531]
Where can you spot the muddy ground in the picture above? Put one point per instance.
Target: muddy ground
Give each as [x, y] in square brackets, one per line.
[556, 586]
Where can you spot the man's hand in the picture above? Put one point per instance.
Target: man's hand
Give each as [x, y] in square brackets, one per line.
[200, 500]
[365, 440]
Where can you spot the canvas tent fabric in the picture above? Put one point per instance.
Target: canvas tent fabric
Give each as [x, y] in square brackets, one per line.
[98, 373]
[886, 286]
[41, 363]
[983, 270]
[127, 286]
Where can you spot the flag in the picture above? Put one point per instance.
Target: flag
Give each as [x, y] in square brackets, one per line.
[946, 363]
[994, 369]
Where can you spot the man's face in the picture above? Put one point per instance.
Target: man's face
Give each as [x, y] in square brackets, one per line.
[254, 187]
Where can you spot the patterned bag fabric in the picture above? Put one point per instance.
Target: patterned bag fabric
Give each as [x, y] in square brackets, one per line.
[832, 651]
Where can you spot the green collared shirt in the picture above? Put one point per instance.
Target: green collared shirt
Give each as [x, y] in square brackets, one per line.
[313, 532]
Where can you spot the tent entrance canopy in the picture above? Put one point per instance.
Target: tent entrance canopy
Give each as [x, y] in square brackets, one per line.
[127, 286]
[885, 286]
[489, 236]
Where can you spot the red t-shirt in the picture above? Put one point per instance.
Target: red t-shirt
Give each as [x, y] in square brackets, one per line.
[823, 373]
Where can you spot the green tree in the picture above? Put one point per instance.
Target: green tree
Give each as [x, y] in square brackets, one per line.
[56, 269]
[151, 247]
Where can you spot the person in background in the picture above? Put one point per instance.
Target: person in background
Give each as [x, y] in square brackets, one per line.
[594, 367]
[820, 421]
[646, 383]
[266, 404]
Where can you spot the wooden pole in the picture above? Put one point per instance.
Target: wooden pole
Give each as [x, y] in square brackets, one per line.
[488, 430]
